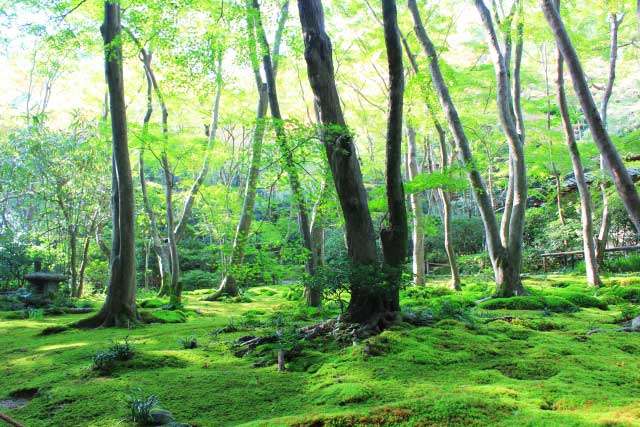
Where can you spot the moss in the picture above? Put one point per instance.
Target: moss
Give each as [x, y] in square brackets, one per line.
[163, 316]
[513, 303]
[534, 368]
[153, 303]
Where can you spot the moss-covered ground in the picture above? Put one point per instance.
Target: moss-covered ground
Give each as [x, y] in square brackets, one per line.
[510, 363]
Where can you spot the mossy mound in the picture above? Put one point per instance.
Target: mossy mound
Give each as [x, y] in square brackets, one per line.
[153, 303]
[163, 316]
[551, 303]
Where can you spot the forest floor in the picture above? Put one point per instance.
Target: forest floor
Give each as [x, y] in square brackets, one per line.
[514, 362]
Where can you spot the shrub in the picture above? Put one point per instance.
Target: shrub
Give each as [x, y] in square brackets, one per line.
[122, 350]
[198, 279]
[626, 264]
[140, 407]
[104, 361]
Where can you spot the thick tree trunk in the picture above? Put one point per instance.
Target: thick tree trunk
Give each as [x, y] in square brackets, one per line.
[368, 301]
[622, 180]
[507, 281]
[394, 237]
[285, 148]
[120, 306]
[591, 264]
[415, 200]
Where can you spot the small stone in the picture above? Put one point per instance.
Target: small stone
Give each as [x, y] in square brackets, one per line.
[635, 323]
[161, 417]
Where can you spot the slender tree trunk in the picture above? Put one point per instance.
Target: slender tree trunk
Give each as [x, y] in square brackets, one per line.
[416, 206]
[314, 296]
[605, 225]
[445, 197]
[591, 264]
[285, 148]
[85, 253]
[506, 274]
[368, 300]
[119, 308]
[229, 285]
[613, 162]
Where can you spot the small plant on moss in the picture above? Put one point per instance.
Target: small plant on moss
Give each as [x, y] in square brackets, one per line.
[36, 314]
[189, 342]
[140, 406]
[104, 361]
[627, 312]
[122, 350]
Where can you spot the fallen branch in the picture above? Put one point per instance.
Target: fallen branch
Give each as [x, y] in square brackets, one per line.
[11, 421]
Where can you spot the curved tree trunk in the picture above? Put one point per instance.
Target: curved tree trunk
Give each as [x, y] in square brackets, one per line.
[119, 308]
[228, 285]
[507, 275]
[285, 148]
[591, 264]
[445, 196]
[367, 301]
[613, 162]
[605, 225]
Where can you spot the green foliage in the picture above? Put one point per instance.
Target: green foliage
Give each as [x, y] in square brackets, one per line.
[626, 264]
[199, 279]
[139, 406]
[189, 342]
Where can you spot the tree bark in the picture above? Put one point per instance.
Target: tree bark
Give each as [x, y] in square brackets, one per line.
[605, 225]
[623, 182]
[119, 308]
[445, 196]
[394, 237]
[229, 285]
[368, 303]
[285, 148]
[415, 200]
[507, 276]
[591, 264]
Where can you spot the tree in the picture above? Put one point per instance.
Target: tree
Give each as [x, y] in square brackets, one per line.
[394, 237]
[583, 188]
[369, 304]
[229, 285]
[505, 253]
[119, 308]
[613, 162]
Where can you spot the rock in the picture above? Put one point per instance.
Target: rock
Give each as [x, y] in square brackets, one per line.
[160, 417]
[635, 323]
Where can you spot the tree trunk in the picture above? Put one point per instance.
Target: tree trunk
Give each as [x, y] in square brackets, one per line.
[285, 149]
[508, 283]
[416, 206]
[445, 196]
[229, 285]
[591, 264]
[367, 301]
[605, 225]
[119, 308]
[394, 237]
[613, 162]
[318, 214]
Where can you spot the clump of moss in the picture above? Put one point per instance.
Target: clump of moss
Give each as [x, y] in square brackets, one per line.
[153, 303]
[551, 303]
[163, 316]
